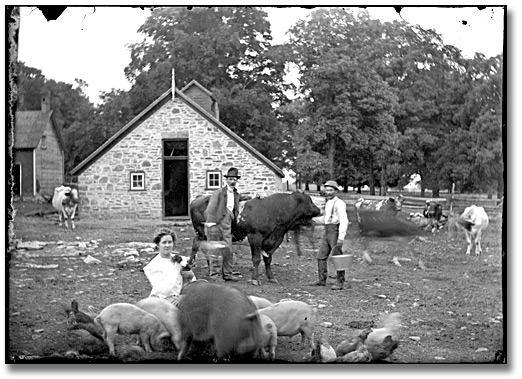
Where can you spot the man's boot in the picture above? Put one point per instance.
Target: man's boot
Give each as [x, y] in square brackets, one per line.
[340, 280]
[322, 271]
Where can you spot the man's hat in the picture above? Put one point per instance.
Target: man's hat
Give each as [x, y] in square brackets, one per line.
[332, 183]
[233, 173]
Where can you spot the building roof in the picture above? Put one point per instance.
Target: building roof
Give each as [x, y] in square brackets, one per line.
[194, 82]
[147, 112]
[30, 126]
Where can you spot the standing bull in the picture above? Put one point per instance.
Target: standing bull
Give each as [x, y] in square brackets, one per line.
[264, 221]
[65, 201]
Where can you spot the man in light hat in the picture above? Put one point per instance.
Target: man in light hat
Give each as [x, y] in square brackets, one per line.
[222, 212]
[335, 222]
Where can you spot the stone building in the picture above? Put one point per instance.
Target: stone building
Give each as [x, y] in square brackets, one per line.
[38, 152]
[173, 151]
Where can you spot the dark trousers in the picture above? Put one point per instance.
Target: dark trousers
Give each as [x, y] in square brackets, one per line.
[329, 241]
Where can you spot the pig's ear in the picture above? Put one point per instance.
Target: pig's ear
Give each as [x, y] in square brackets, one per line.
[252, 315]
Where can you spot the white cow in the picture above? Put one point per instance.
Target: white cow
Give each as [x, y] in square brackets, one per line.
[473, 220]
[65, 201]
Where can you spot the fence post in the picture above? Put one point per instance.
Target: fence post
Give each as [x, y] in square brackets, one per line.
[451, 197]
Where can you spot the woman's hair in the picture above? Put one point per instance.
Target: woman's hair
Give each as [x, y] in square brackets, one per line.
[164, 232]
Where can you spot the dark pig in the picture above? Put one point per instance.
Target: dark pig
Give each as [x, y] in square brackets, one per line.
[219, 314]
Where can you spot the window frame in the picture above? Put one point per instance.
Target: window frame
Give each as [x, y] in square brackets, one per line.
[43, 143]
[207, 179]
[131, 187]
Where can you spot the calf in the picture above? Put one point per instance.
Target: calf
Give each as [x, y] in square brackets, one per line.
[167, 313]
[292, 317]
[65, 201]
[124, 318]
[221, 315]
[473, 220]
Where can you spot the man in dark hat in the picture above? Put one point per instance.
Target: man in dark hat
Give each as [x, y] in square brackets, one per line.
[335, 222]
[221, 212]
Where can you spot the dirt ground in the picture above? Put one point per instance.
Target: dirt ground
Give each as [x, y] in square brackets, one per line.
[451, 305]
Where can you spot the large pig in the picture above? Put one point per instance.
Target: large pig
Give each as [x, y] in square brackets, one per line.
[269, 337]
[219, 314]
[292, 317]
[124, 318]
[167, 313]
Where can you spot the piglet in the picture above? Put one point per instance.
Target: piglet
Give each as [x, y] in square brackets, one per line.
[167, 313]
[269, 335]
[260, 302]
[292, 317]
[124, 318]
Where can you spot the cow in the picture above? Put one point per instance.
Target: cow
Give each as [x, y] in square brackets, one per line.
[473, 220]
[65, 201]
[264, 221]
[390, 204]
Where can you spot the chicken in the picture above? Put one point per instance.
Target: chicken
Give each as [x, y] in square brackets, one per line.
[354, 351]
[383, 341]
[82, 320]
[322, 352]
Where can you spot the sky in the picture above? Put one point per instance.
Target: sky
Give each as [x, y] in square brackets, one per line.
[91, 43]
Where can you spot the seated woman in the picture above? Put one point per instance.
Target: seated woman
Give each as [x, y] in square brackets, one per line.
[164, 271]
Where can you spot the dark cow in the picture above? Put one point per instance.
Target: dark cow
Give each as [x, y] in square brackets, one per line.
[390, 204]
[220, 315]
[264, 221]
[65, 201]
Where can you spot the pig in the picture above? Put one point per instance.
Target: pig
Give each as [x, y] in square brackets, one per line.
[167, 313]
[124, 318]
[260, 302]
[292, 317]
[269, 337]
[222, 315]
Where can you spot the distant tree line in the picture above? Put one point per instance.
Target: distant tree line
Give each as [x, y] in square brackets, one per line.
[376, 102]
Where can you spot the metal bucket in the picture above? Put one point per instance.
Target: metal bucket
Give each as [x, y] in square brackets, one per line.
[342, 262]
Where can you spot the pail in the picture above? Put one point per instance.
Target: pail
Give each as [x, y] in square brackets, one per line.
[342, 262]
[212, 247]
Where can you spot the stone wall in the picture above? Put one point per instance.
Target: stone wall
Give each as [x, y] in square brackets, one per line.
[105, 184]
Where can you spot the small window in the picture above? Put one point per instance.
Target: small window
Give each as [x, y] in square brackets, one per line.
[213, 179]
[43, 142]
[137, 181]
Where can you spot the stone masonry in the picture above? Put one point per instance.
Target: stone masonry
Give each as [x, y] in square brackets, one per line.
[105, 184]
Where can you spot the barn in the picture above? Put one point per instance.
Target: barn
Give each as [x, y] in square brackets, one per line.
[173, 151]
[38, 152]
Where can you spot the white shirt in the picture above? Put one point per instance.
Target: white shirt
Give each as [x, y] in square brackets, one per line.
[230, 198]
[335, 213]
[164, 276]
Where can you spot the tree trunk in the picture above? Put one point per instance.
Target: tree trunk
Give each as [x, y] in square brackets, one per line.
[331, 156]
[307, 187]
[359, 188]
[436, 192]
[372, 183]
[384, 188]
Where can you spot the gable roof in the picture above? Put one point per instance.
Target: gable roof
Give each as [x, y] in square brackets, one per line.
[30, 126]
[194, 82]
[147, 112]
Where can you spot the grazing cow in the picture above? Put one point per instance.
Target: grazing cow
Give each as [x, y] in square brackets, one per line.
[263, 221]
[390, 204]
[65, 201]
[220, 315]
[474, 219]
